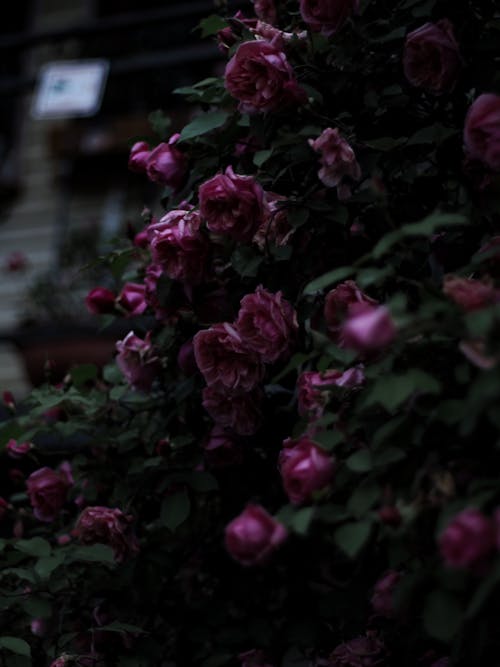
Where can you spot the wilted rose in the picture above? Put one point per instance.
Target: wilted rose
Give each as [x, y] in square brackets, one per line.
[305, 469]
[275, 229]
[365, 651]
[139, 155]
[482, 130]
[167, 165]
[47, 490]
[313, 388]
[338, 161]
[253, 536]
[431, 57]
[267, 323]
[467, 539]
[178, 245]
[110, 526]
[241, 413]
[233, 205]
[224, 358]
[100, 300]
[261, 78]
[327, 16]
[138, 360]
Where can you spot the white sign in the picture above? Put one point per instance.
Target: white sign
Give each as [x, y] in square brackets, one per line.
[70, 89]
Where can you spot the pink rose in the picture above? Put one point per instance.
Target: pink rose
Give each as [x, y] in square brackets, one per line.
[482, 131]
[139, 155]
[365, 651]
[224, 358]
[138, 360]
[241, 413]
[178, 245]
[232, 204]
[16, 450]
[265, 10]
[305, 469]
[47, 490]
[261, 78]
[369, 330]
[267, 324]
[327, 16]
[337, 161]
[167, 165]
[470, 294]
[222, 449]
[383, 593]
[132, 299]
[431, 58]
[253, 536]
[106, 525]
[390, 515]
[275, 229]
[313, 388]
[342, 301]
[100, 300]
[467, 539]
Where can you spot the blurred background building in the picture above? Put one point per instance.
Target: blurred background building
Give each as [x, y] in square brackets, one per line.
[64, 184]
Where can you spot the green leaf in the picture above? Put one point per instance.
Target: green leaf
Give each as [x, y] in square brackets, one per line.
[97, 553]
[117, 626]
[442, 616]
[261, 156]
[485, 589]
[246, 261]
[351, 537]
[385, 143]
[329, 439]
[363, 497]
[434, 134]
[159, 122]
[45, 566]
[298, 216]
[36, 546]
[37, 607]
[83, 374]
[16, 645]
[175, 510]
[327, 279]
[392, 390]
[360, 461]
[301, 520]
[387, 456]
[211, 25]
[203, 124]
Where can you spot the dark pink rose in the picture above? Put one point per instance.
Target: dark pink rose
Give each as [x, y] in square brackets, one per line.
[338, 161]
[253, 536]
[254, 658]
[100, 300]
[47, 490]
[4, 508]
[383, 593]
[313, 388]
[141, 239]
[467, 539]
[341, 302]
[369, 330]
[365, 651]
[275, 229]
[186, 359]
[167, 165]
[178, 245]
[305, 469]
[139, 155]
[260, 77]
[265, 10]
[16, 261]
[9, 400]
[224, 358]
[232, 204]
[132, 299]
[482, 130]
[106, 525]
[470, 294]
[267, 324]
[390, 515]
[241, 413]
[16, 450]
[222, 449]
[431, 58]
[138, 360]
[62, 661]
[327, 16]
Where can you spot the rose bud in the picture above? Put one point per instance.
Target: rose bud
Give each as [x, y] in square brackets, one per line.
[369, 330]
[9, 401]
[232, 205]
[305, 469]
[4, 508]
[482, 131]
[382, 599]
[139, 155]
[186, 359]
[141, 239]
[431, 58]
[227, 37]
[390, 515]
[132, 299]
[167, 165]
[38, 627]
[106, 525]
[342, 301]
[16, 450]
[260, 77]
[470, 294]
[327, 16]
[138, 360]
[64, 539]
[467, 539]
[224, 359]
[100, 300]
[47, 490]
[163, 447]
[253, 536]
[338, 161]
[365, 651]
